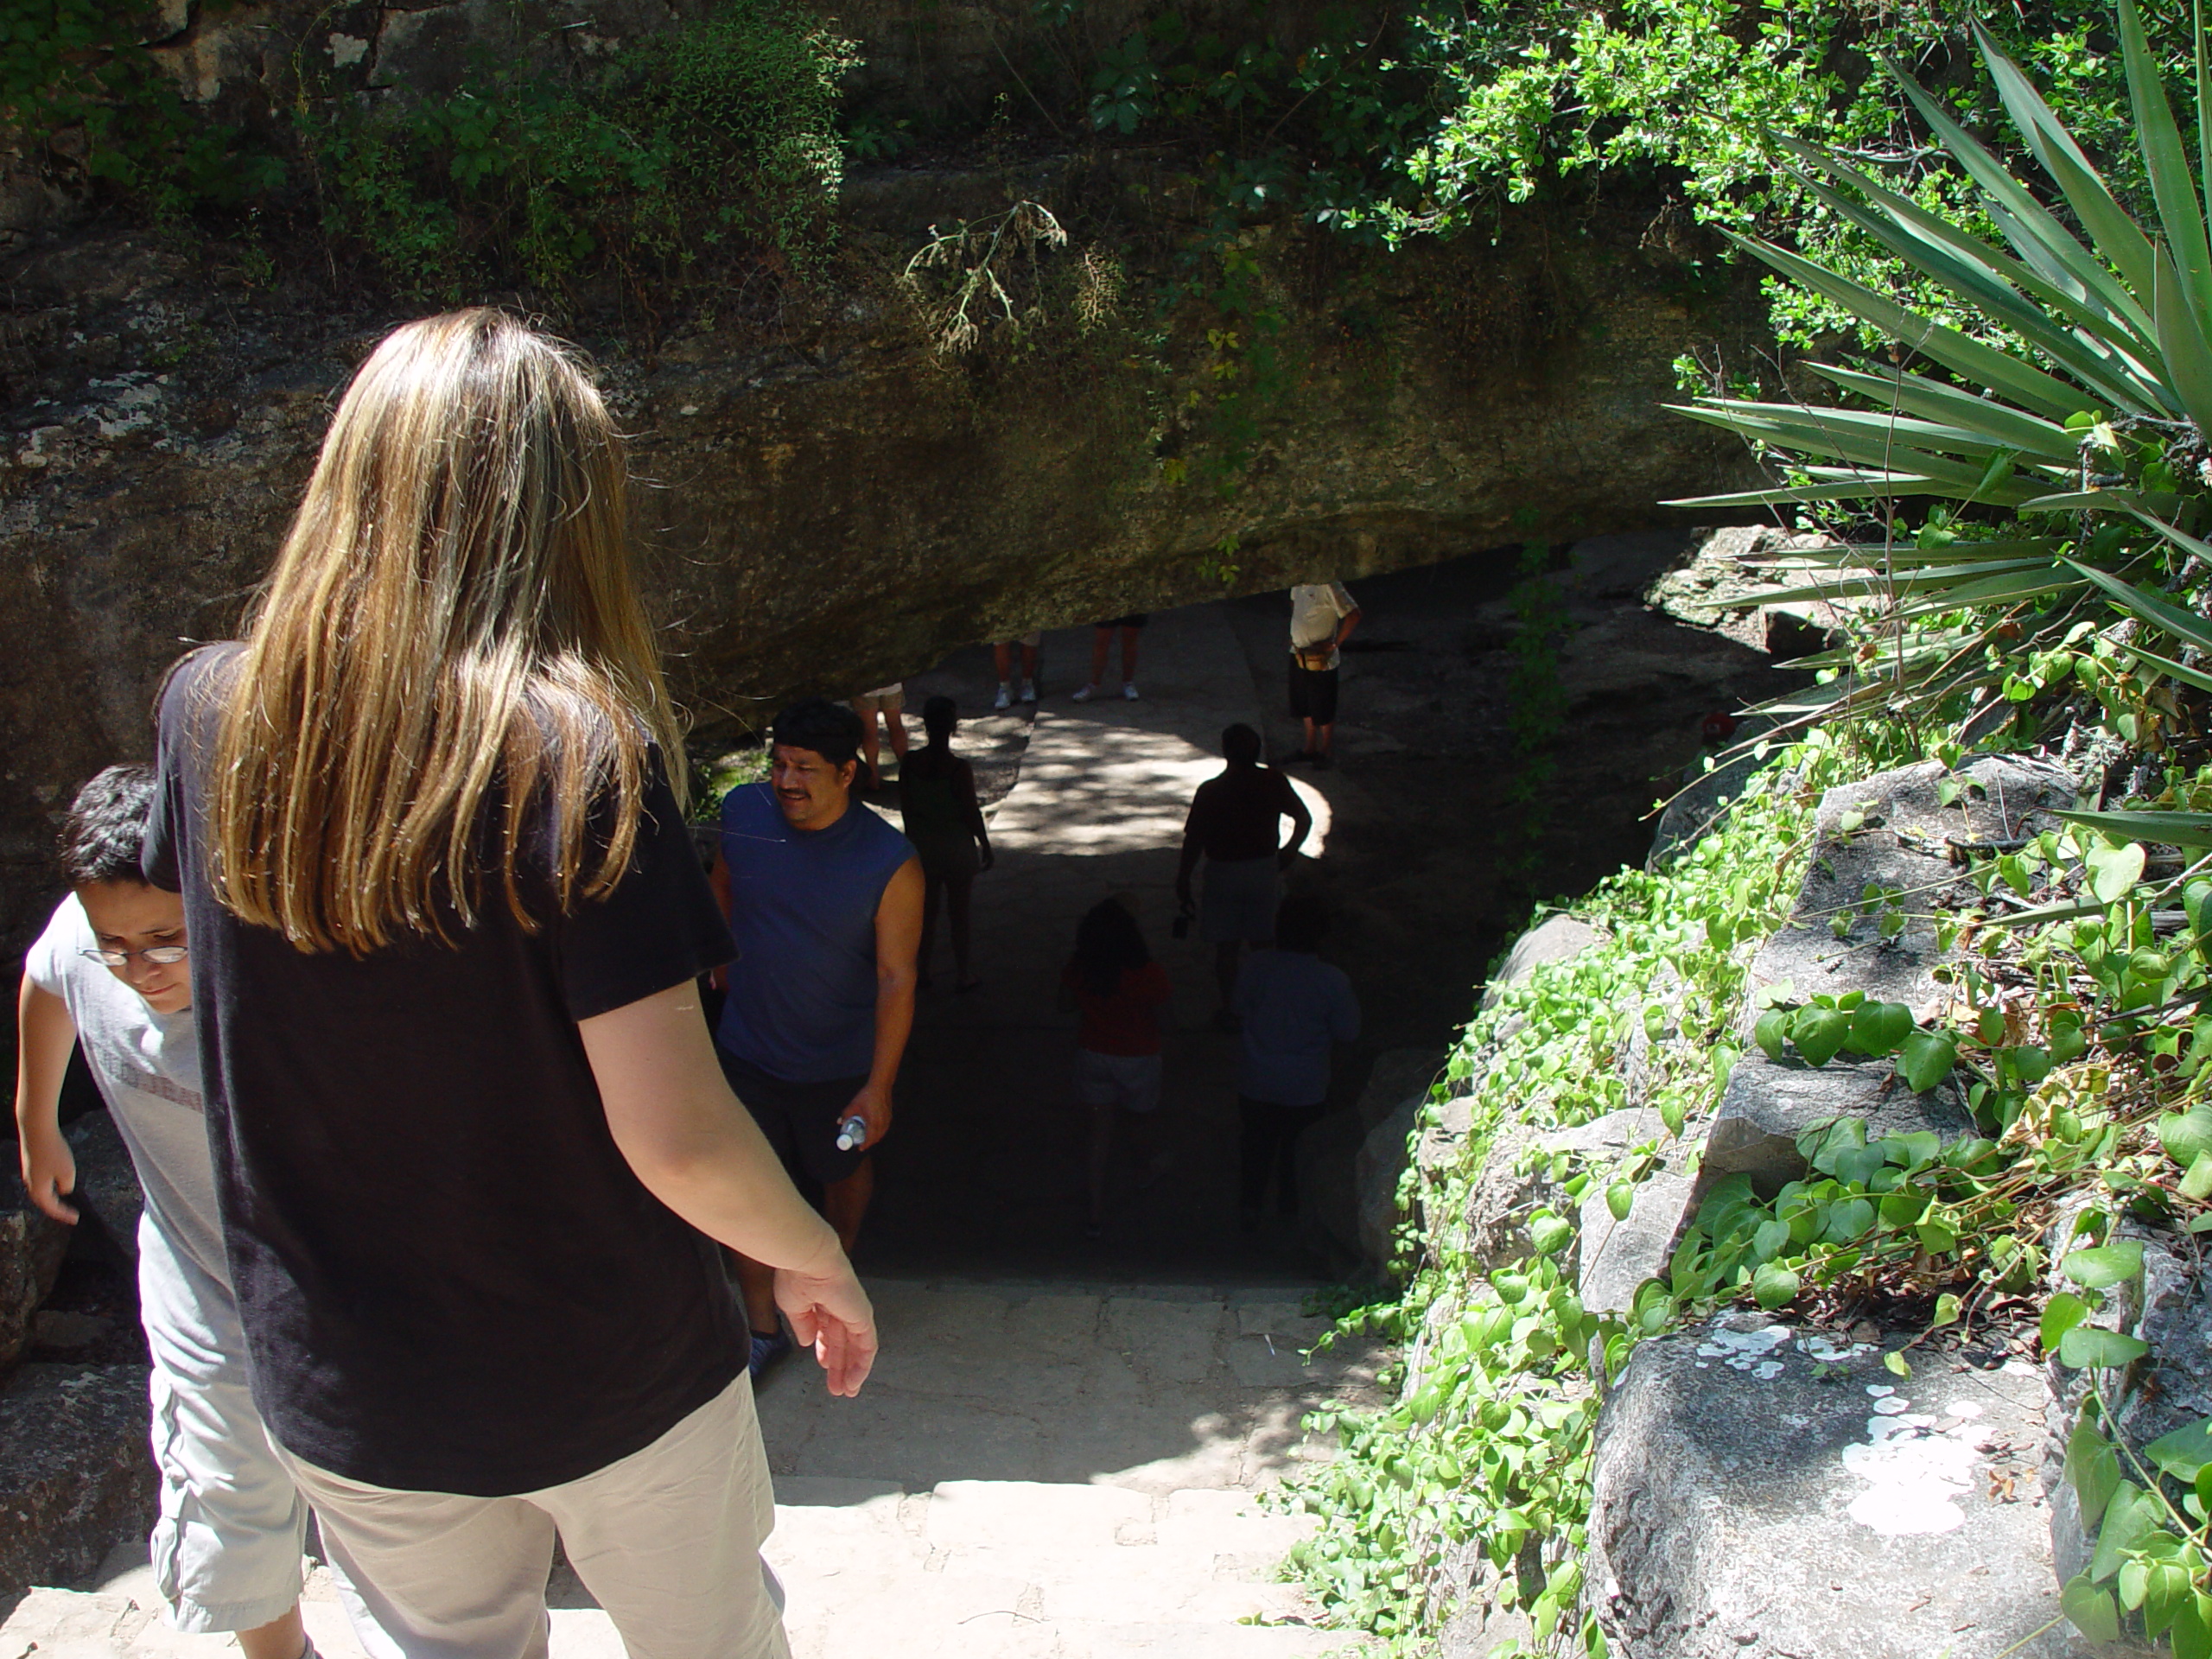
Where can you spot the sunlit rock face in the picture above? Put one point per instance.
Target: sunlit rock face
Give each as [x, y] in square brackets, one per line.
[826, 499]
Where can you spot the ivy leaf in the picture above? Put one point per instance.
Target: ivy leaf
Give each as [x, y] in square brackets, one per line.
[1896, 1364]
[2185, 1452]
[2090, 1609]
[2187, 1135]
[2192, 1630]
[1926, 1058]
[1550, 1234]
[1773, 1286]
[1769, 1242]
[1620, 1198]
[2131, 1515]
[2104, 1265]
[1946, 1309]
[2091, 1345]
[1853, 1218]
[1772, 1031]
[1819, 1033]
[2061, 1314]
[2113, 871]
[2197, 1184]
[2092, 1471]
[1880, 1027]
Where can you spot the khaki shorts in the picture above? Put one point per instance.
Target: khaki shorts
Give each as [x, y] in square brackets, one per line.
[667, 1540]
[884, 700]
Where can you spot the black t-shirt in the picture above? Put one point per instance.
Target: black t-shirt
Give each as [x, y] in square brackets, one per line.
[450, 1278]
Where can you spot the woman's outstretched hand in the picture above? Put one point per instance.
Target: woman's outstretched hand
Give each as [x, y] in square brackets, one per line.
[830, 1313]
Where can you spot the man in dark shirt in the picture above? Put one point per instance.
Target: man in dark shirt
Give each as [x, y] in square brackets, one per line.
[824, 901]
[1236, 821]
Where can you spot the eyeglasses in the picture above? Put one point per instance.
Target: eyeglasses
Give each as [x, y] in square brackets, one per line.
[162, 956]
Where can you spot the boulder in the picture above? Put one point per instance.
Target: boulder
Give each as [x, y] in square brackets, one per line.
[1557, 938]
[1524, 1173]
[1895, 831]
[31, 1248]
[1709, 789]
[1377, 1171]
[1762, 1492]
[1769, 1103]
[75, 1472]
[1615, 1256]
[108, 1196]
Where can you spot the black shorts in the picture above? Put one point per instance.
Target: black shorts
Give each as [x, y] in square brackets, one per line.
[799, 1119]
[1134, 619]
[1313, 694]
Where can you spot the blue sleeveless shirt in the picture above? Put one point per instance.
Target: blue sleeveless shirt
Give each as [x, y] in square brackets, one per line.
[802, 991]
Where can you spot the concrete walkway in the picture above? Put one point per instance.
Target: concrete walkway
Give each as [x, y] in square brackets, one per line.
[1047, 1461]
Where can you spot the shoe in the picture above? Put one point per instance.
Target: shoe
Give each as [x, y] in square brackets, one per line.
[1085, 694]
[1004, 698]
[1029, 692]
[766, 1351]
[1129, 690]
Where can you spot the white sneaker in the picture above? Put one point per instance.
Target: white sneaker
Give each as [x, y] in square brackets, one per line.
[1129, 690]
[1086, 693]
[1029, 692]
[1004, 698]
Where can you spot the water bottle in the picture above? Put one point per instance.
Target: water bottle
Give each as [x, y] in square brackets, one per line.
[852, 1131]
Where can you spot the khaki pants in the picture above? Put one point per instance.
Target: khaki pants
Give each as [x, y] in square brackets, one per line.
[667, 1540]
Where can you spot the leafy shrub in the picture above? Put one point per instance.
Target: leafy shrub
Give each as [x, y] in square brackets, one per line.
[720, 136]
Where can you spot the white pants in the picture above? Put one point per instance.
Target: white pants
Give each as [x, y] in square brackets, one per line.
[667, 1540]
[227, 1545]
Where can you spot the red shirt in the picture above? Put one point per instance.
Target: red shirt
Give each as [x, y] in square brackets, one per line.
[1127, 1022]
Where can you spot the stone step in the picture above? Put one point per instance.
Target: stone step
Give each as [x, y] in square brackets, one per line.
[970, 1568]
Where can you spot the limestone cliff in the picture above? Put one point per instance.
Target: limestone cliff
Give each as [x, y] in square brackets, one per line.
[828, 500]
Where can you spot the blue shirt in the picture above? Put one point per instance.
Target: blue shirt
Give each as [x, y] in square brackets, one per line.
[802, 991]
[1294, 1006]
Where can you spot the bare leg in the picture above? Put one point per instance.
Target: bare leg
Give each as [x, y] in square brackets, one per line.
[1319, 743]
[282, 1637]
[957, 895]
[895, 725]
[1128, 656]
[1002, 659]
[871, 745]
[1101, 640]
[1029, 664]
[845, 1202]
[1309, 748]
[1101, 1153]
[756, 1284]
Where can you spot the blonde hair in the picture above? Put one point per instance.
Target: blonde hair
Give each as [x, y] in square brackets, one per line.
[452, 619]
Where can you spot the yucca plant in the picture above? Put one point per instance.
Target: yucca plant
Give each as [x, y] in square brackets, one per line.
[2083, 406]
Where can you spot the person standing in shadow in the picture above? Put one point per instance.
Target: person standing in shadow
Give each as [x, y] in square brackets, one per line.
[1236, 823]
[1295, 1008]
[1119, 989]
[944, 822]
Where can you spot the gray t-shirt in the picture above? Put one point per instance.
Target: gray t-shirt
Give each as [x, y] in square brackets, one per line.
[147, 1065]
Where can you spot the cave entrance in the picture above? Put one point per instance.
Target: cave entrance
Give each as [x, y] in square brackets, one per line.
[1425, 865]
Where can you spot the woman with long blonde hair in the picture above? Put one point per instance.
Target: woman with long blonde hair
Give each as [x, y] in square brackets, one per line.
[470, 1137]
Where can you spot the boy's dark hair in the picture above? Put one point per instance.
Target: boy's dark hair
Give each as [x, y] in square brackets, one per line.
[1302, 923]
[832, 730]
[105, 830]
[1240, 745]
[940, 714]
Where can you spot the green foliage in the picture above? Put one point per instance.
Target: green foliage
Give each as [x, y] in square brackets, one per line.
[720, 137]
[1493, 1444]
[88, 102]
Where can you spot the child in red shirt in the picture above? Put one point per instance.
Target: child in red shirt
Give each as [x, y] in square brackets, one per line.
[1119, 989]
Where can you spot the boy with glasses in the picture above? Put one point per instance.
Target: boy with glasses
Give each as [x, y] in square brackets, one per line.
[111, 972]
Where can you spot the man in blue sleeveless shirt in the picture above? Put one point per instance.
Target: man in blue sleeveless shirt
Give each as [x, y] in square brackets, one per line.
[824, 900]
